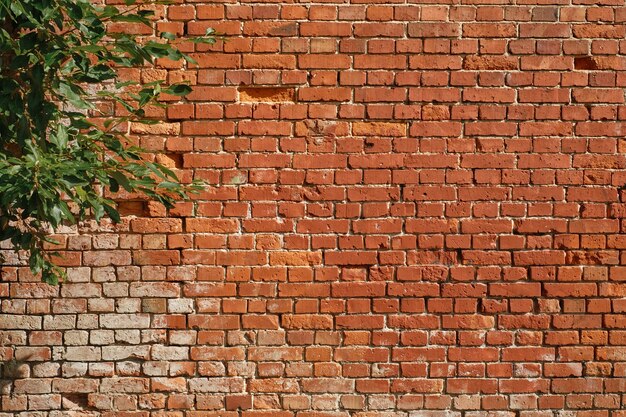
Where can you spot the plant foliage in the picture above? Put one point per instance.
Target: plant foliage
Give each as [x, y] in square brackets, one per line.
[58, 164]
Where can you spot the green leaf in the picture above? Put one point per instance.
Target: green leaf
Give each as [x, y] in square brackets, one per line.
[122, 180]
[74, 11]
[131, 19]
[113, 185]
[178, 89]
[167, 35]
[67, 214]
[36, 261]
[98, 209]
[60, 137]
[169, 185]
[74, 95]
[112, 213]
[198, 39]
[56, 215]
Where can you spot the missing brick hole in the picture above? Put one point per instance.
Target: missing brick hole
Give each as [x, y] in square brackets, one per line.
[132, 208]
[170, 160]
[76, 401]
[585, 63]
[266, 94]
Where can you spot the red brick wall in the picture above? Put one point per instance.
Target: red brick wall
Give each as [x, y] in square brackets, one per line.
[415, 210]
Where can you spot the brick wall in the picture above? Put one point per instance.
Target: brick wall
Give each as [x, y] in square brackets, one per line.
[415, 210]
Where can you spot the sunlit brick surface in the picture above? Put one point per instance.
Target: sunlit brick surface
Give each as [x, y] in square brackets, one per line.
[414, 210]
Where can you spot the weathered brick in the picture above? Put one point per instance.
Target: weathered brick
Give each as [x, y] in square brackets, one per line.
[411, 209]
[234, 384]
[124, 321]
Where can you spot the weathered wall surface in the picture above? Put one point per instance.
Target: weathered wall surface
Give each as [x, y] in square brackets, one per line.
[415, 210]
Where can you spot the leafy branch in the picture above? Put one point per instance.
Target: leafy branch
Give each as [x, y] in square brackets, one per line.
[58, 164]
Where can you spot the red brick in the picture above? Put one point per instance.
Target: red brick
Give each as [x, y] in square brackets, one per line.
[307, 321]
[323, 61]
[263, 61]
[489, 30]
[434, 30]
[490, 62]
[325, 29]
[324, 94]
[598, 31]
[410, 209]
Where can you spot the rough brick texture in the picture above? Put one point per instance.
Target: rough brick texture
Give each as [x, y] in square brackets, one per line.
[415, 210]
